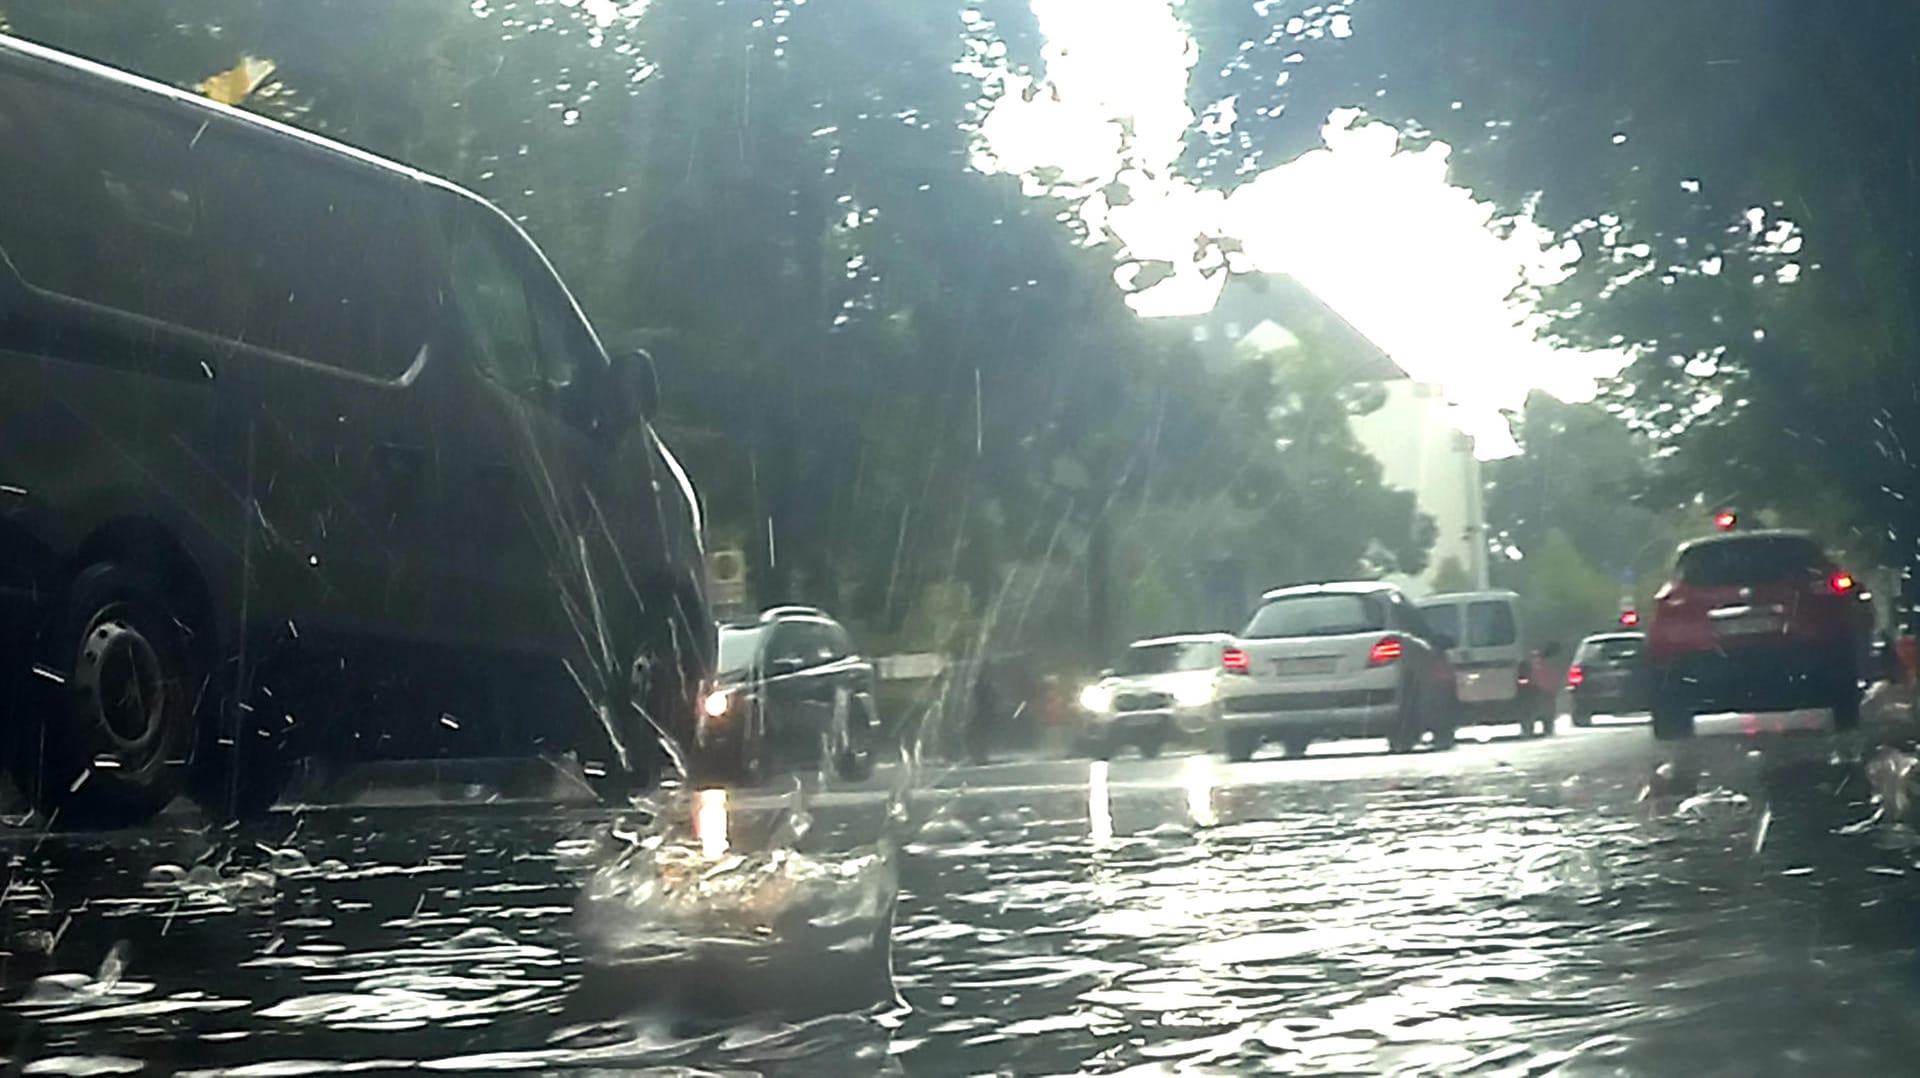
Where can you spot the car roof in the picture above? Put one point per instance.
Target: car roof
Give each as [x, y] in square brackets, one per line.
[792, 612]
[17, 49]
[1182, 638]
[1758, 533]
[1457, 596]
[1597, 637]
[1332, 587]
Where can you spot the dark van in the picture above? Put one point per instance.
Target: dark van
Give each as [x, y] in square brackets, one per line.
[303, 452]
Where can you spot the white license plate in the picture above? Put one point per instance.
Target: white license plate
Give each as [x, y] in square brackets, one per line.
[1752, 625]
[1303, 667]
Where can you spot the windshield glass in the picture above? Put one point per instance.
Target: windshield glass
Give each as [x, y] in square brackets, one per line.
[606, 536]
[739, 648]
[1166, 658]
[1443, 618]
[1617, 650]
[1490, 624]
[1318, 615]
[1748, 561]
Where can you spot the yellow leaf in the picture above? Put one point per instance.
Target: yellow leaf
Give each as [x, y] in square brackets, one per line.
[237, 83]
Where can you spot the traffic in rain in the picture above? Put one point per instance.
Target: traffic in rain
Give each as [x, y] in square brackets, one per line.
[1016, 537]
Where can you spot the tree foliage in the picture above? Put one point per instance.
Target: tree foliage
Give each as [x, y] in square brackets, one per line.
[1739, 185]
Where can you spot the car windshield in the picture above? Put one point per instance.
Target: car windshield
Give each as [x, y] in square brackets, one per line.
[1331, 614]
[1722, 563]
[610, 536]
[739, 648]
[1167, 658]
[1614, 650]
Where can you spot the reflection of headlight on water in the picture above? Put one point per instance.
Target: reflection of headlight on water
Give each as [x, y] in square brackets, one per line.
[1099, 808]
[1194, 693]
[710, 823]
[1199, 783]
[1096, 698]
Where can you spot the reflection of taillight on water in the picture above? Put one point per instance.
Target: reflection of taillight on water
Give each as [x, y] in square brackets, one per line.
[1575, 676]
[1235, 661]
[1385, 650]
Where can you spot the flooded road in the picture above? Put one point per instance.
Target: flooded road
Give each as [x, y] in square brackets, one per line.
[1583, 903]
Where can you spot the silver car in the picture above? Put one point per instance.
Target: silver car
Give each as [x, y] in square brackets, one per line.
[1162, 690]
[1335, 660]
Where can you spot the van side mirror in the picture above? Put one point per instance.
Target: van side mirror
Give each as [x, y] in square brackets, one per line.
[638, 381]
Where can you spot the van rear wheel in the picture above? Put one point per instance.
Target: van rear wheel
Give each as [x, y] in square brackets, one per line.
[108, 711]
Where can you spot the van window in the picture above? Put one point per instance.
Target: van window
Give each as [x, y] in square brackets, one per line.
[315, 255]
[524, 332]
[101, 200]
[1490, 624]
[1444, 618]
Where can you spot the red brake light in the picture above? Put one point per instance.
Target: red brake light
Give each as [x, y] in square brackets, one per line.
[1629, 618]
[1234, 661]
[1725, 519]
[1385, 650]
[1840, 582]
[1575, 676]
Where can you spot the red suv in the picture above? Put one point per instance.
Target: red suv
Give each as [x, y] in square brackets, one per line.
[1758, 620]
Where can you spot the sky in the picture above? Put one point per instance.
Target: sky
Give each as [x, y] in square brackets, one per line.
[1375, 231]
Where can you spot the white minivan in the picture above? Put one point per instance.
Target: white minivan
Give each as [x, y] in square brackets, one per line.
[1489, 660]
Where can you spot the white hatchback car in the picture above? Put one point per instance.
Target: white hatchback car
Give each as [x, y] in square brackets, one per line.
[1335, 660]
[1161, 691]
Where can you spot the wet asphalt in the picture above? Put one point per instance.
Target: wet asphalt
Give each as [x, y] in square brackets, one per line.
[1748, 903]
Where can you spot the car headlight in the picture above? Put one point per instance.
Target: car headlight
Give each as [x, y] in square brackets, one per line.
[1096, 698]
[1194, 693]
[717, 704]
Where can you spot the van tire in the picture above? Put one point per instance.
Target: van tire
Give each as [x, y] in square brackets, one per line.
[130, 689]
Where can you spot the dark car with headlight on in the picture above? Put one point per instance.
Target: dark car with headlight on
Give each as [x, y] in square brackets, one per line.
[792, 691]
[1161, 691]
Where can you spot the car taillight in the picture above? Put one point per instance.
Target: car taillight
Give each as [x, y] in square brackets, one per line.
[1234, 661]
[1385, 650]
[1840, 583]
[1575, 676]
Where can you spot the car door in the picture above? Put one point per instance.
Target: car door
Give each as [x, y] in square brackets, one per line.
[526, 450]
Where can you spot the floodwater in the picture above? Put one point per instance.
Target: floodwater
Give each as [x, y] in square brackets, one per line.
[1580, 905]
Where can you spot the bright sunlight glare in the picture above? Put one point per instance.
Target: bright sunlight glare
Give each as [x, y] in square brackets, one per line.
[1372, 229]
